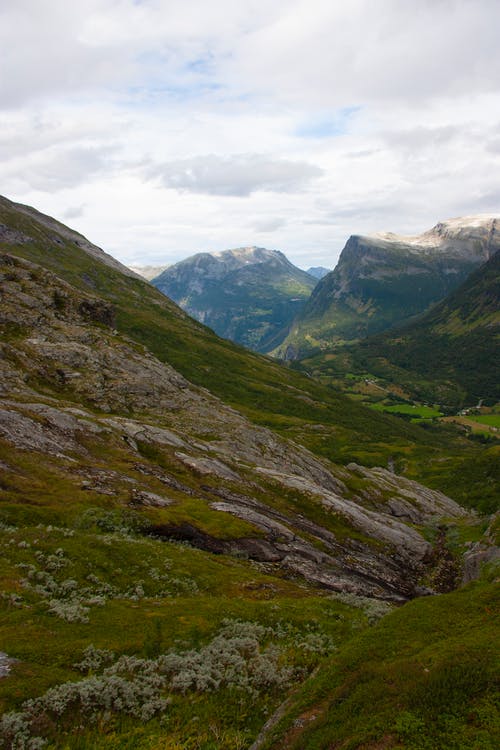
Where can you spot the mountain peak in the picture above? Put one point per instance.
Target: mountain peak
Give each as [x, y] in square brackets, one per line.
[446, 236]
[247, 294]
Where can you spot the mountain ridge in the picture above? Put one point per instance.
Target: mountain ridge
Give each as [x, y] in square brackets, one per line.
[383, 279]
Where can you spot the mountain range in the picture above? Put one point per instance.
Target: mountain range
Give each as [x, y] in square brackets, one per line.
[190, 531]
[386, 279]
[249, 295]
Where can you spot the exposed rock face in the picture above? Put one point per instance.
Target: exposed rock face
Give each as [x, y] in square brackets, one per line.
[248, 295]
[384, 279]
[480, 554]
[74, 391]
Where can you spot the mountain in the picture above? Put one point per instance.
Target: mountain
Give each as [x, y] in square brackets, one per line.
[148, 272]
[175, 535]
[249, 295]
[451, 355]
[384, 279]
[318, 271]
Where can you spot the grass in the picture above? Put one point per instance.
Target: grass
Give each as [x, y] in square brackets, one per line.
[417, 412]
[427, 671]
[186, 596]
[492, 420]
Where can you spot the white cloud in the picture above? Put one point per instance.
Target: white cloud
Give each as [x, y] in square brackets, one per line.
[74, 212]
[237, 175]
[187, 126]
[265, 226]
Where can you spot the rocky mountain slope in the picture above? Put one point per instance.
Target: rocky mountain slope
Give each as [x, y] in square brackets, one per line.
[449, 356]
[249, 295]
[69, 378]
[139, 511]
[384, 279]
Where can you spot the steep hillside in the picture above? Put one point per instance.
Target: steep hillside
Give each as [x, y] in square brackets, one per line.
[385, 279]
[73, 388]
[249, 295]
[450, 356]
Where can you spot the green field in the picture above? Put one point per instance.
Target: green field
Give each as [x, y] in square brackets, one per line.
[492, 420]
[419, 412]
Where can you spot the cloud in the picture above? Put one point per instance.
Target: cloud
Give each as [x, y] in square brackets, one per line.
[74, 212]
[421, 137]
[323, 126]
[235, 175]
[55, 169]
[340, 54]
[149, 115]
[269, 225]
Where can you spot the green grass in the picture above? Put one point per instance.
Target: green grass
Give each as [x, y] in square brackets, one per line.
[418, 412]
[492, 420]
[186, 595]
[427, 672]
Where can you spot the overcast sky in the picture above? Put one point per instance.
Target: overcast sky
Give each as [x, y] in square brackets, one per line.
[161, 128]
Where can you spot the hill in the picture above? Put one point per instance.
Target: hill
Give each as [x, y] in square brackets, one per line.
[385, 279]
[249, 295]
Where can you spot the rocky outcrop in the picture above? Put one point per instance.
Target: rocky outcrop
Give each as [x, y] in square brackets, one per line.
[481, 553]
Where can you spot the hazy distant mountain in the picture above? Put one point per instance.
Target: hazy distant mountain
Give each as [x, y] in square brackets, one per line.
[385, 279]
[318, 271]
[249, 295]
[149, 272]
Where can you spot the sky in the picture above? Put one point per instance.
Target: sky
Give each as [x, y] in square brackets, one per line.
[163, 128]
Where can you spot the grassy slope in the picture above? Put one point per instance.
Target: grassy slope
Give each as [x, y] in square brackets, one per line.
[265, 391]
[428, 673]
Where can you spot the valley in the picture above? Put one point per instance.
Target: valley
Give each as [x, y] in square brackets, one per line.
[193, 533]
